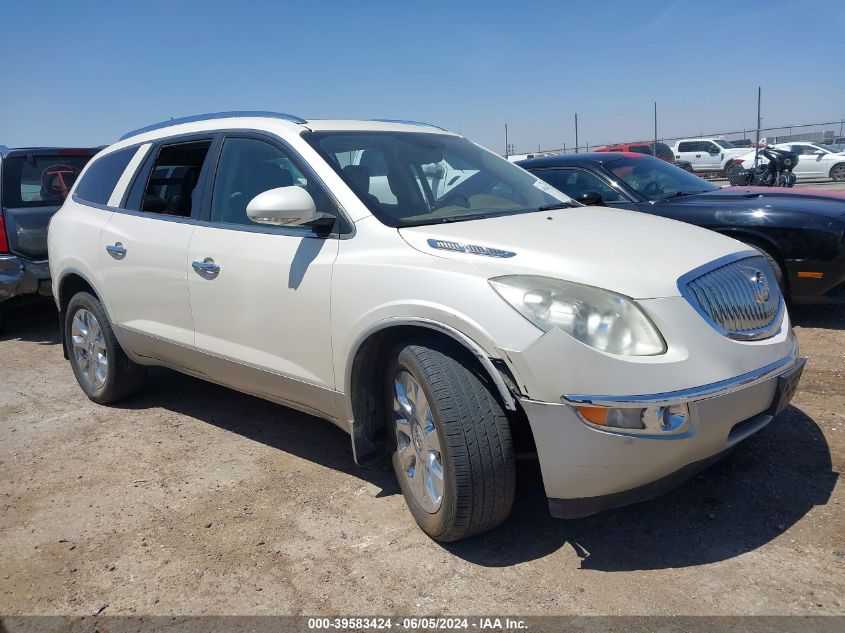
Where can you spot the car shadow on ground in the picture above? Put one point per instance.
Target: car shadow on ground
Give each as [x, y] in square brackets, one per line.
[830, 317]
[742, 502]
[35, 322]
[274, 425]
[752, 496]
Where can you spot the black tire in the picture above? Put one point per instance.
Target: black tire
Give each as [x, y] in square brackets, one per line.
[688, 167]
[123, 376]
[837, 172]
[736, 174]
[780, 276]
[479, 476]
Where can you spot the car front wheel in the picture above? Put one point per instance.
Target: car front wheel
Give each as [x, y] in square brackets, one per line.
[452, 450]
[837, 172]
[100, 365]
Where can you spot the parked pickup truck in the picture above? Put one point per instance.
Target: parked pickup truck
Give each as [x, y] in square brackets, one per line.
[708, 155]
[33, 184]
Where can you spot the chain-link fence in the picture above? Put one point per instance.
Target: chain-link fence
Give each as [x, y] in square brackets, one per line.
[831, 132]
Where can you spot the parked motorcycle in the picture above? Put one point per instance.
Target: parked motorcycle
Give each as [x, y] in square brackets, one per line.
[777, 172]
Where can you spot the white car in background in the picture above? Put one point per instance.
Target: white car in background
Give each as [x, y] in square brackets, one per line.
[816, 161]
[707, 155]
[440, 325]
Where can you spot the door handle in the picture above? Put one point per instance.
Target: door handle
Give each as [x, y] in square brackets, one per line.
[206, 267]
[116, 250]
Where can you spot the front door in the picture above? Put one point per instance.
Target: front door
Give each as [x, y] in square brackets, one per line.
[259, 294]
[143, 250]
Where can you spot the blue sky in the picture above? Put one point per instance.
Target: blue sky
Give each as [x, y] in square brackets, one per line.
[85, 72]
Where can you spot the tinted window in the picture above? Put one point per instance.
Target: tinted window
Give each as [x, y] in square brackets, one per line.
[248, 167]
[171, 184]
[687, 146]
[640, 149]
[573, 182]
[656, 179]
[725, 144]
[32, 181]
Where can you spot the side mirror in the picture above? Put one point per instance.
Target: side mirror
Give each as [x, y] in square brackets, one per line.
[286, 206]
[590, 198]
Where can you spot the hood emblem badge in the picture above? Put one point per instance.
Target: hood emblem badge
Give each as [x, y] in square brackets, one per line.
[472, 249]
[759, 283]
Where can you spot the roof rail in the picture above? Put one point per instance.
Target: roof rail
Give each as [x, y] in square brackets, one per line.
[215, 115]
[408, 122]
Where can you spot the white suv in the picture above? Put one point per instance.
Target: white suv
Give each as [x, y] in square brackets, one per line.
[438, 325]
[708, 154]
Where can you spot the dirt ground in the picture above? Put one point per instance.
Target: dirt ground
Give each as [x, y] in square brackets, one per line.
[194, 499]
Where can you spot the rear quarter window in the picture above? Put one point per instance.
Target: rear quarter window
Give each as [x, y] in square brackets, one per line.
[99, 181]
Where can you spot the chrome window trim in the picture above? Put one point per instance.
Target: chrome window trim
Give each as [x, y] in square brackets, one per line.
[744, 335]
[683, 396]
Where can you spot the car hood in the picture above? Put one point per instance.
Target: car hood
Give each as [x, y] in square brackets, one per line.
[634, 254]
[829, 204]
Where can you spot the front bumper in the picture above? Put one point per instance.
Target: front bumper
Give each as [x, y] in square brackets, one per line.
[20, 276]
[587, 469]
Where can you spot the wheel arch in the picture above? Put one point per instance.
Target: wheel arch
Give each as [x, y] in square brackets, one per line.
[368, 354]
[71, 282]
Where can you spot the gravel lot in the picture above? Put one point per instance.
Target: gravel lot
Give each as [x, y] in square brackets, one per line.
[194, 499]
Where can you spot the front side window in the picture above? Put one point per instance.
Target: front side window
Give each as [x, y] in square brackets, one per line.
[170, 188]
[412, 178]
[574, 182]
[656, 179]
[248, 167]
[725, 144]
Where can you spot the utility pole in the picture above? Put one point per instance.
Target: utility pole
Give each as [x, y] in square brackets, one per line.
[576, 132]
[507, 147]
[655, 129]
[757, 145]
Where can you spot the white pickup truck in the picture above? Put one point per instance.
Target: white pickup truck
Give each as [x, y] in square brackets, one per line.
[707, 154]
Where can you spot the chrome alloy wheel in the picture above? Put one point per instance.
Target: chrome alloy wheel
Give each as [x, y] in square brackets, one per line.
[417, 443]
[89, 348]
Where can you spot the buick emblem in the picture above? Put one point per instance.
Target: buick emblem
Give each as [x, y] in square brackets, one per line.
[759, 283]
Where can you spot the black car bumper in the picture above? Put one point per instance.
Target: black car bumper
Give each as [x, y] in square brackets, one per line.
[20, 277]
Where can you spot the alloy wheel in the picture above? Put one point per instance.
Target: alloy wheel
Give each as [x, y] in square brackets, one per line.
[417, 443]
[89, 348]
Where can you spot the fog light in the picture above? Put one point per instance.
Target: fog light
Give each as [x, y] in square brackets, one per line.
[654, 419]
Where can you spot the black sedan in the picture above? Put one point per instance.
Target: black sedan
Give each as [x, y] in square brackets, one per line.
[801, 232]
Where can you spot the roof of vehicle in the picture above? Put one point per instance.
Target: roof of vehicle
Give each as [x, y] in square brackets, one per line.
[238, 117]
[594, 158]
[41, 151]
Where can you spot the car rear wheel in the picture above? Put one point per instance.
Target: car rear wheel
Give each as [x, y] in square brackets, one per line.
[837, 172]
[452, 450]
[100, 365]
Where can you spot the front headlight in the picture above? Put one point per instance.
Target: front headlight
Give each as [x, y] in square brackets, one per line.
[599, 318]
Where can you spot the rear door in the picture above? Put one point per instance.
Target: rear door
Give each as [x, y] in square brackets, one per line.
[259, 294]
[143, 250]
[35, 183]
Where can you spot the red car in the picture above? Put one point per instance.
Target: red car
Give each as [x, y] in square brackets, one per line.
[664, 152]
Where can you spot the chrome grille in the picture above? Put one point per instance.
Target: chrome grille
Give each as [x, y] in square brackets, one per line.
[739, 298]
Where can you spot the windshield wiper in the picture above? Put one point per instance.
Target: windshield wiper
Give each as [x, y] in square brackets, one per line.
[679, 194]
[556, 205]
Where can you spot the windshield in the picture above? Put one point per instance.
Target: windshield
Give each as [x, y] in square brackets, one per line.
[656, 179]
[724, 144]
[35, 181]
[412, 178]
